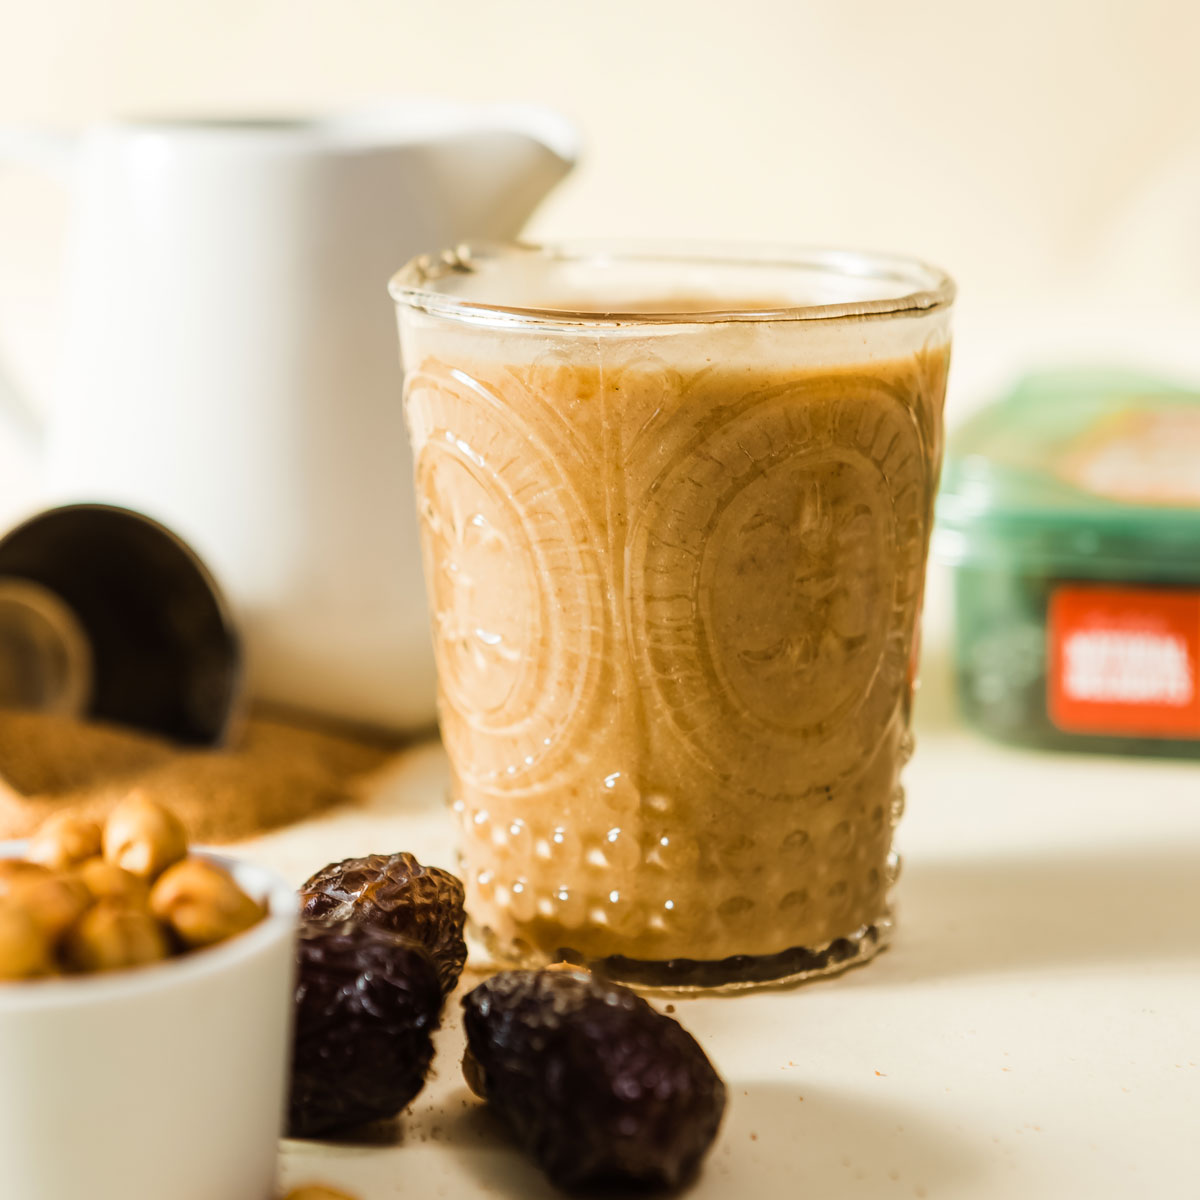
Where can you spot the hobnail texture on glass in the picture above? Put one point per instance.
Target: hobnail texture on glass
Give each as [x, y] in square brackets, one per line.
[675, 584]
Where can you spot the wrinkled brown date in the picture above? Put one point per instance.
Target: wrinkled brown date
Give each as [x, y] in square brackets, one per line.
[367, 1004]
[596, 1085]
[395, 892]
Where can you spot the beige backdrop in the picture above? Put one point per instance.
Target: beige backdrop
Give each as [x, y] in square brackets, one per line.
[1046, 151]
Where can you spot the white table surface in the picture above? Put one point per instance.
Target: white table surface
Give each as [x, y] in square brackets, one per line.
[1033, 1032]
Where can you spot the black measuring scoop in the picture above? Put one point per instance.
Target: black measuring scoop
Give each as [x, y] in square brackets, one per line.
[105, 613]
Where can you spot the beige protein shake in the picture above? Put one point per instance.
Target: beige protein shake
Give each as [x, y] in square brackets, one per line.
[674, 550]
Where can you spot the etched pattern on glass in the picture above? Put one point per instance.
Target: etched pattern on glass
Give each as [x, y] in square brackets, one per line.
[513, 581]
[776, 570]
[674, 615]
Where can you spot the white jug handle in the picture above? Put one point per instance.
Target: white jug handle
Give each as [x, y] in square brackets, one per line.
[53, 153]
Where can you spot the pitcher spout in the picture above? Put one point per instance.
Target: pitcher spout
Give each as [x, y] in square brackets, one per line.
[495, 174]
[480, 169]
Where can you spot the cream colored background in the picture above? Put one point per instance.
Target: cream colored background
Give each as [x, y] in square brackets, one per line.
[1047, 152]
[1030, 1035]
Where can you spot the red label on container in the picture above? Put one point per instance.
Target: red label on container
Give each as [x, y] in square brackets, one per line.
[1124, 661]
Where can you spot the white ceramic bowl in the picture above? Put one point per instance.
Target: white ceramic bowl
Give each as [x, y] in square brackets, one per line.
[164, 1082]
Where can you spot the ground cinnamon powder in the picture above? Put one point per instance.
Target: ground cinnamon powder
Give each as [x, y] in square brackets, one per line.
[275, 773]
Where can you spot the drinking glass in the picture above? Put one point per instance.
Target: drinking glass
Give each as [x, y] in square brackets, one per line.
[675, 507]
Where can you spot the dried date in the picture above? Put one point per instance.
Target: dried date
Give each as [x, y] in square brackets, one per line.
[397, 893]
[599, 1087]
[367, 1005]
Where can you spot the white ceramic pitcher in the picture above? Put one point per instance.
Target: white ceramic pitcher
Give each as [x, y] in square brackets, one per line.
[229, 363]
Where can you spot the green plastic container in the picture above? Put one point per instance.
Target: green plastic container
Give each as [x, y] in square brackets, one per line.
[1070, 512]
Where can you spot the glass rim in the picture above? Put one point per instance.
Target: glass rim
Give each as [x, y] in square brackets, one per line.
[921, 288]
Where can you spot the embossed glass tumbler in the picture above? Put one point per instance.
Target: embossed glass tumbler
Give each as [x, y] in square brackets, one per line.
[675, 510]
